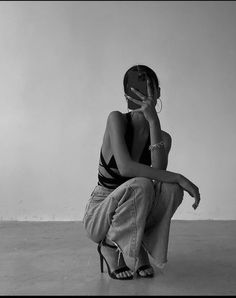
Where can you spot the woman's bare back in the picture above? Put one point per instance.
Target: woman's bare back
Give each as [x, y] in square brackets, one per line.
[139, 140]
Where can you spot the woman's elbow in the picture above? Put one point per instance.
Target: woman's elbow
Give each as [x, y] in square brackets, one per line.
[125, 169]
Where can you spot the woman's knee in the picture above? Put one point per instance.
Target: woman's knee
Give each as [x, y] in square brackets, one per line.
[175, 190]
[144, 183]
[95, 236]
[172, 187]
[92, 230]
[144, 189]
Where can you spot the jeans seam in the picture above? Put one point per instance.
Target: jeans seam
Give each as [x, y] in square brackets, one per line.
[135, 223]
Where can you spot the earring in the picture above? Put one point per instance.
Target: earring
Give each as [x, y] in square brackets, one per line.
[160, 105]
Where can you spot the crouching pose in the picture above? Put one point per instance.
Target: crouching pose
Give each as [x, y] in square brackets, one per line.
[129, 211]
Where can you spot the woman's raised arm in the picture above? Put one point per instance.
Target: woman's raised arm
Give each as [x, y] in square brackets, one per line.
[130, 168]
[126, 165]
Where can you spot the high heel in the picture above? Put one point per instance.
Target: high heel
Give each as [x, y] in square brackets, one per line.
[102, 258]
[101, 263]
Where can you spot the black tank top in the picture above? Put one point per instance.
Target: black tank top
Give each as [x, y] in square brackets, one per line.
[116, 179]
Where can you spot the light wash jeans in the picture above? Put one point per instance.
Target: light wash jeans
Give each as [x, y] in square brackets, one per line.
[136, 213]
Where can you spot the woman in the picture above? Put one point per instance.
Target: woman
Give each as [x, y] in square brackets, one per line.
[129, 211]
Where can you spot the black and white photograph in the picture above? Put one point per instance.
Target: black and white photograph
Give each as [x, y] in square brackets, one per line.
[117, 148]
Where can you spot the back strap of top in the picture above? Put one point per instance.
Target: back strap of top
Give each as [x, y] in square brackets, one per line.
[116, 177]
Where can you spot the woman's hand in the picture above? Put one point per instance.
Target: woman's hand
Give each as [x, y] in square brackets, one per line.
[191, 188]
[147, 103]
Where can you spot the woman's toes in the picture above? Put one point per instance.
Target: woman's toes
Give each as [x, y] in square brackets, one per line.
[124, 274]
[129, 273]
[143, 273]
[146, 272]
[149, 271]
[119, 275]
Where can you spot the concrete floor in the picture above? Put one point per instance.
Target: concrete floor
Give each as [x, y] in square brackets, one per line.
[56, 258]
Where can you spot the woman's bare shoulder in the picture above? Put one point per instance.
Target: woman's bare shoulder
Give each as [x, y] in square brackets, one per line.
[116, 118]
[166, 135]
[115, 127]
[116, 115]
[167, 140]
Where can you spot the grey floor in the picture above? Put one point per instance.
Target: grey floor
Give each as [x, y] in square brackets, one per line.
[56, 258]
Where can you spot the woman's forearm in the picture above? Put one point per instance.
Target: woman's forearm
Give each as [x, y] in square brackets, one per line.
[135, 169]
[158, 157]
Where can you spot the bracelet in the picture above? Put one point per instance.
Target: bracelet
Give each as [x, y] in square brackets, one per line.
[156, 146]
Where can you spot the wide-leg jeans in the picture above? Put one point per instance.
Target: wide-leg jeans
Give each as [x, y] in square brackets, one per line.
[136, 213]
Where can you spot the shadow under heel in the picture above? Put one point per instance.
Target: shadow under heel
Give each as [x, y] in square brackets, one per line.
[115, 272]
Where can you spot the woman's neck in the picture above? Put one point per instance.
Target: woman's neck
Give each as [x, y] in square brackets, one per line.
[139, 121]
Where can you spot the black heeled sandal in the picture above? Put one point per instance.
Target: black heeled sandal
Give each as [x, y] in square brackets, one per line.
[111, 274]
[144, 267]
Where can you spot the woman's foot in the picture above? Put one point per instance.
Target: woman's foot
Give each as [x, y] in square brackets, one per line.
[112, 257]
[144, 267]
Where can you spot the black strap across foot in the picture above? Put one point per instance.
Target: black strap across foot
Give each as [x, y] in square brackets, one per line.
[120, 270]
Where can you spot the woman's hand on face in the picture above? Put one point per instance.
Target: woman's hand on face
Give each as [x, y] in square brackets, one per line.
[147, 103]
[191, 188]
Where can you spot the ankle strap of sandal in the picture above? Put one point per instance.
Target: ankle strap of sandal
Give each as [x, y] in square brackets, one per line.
[106, 244]
[103, 242]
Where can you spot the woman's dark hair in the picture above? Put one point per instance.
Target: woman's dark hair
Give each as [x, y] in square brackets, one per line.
[141, 70]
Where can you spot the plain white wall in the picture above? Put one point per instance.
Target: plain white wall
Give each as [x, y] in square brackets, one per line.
[62, 66]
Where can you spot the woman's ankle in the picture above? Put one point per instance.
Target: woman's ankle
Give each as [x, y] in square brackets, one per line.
[109, 242]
